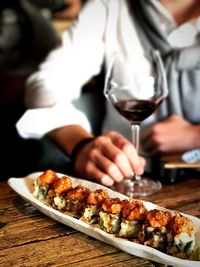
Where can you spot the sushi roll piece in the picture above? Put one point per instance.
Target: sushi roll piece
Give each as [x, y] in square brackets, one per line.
[43, 183]
[110, 216]
[156, 231]
[94, 206]
[133, 216]
[183, 230]
[56, 196]
[76, 200]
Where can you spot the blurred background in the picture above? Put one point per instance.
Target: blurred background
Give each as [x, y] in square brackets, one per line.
[29, 30]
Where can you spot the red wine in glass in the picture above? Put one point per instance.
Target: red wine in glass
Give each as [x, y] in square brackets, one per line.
[135, 111]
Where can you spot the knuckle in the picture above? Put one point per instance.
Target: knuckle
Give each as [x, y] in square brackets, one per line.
[119, 157]
[92, 154]
[128, 148]
[100, 140]
[110, 133]
[87, 168]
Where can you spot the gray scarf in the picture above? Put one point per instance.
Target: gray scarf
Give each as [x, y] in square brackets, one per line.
[182, 65]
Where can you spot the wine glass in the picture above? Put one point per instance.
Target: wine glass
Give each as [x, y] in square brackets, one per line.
[136, 95]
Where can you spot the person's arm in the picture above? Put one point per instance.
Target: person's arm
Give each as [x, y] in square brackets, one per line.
[67, 137]
[171, 136]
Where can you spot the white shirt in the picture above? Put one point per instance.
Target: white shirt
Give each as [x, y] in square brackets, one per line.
[103, 28]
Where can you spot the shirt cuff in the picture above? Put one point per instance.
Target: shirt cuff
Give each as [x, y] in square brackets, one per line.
[35, 123]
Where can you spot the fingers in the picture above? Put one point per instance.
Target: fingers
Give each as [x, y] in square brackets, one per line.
[117, 158]
[93, 172]
[107, 166]
[109, 159]
[133, 161]
[142, 165]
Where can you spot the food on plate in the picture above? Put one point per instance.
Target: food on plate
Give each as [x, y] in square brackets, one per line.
[183, 231]
[167, 231]
[156, 231]
[110, 216]
[56, 196]
[133, 216]
[94, 206]
[77, 200]
[44, 182]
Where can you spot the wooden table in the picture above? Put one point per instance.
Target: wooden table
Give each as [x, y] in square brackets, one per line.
[29, 238]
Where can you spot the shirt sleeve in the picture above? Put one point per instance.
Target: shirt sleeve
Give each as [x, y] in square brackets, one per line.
[51, 90]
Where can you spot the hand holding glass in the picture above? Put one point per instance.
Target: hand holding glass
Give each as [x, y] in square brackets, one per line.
[136, 97]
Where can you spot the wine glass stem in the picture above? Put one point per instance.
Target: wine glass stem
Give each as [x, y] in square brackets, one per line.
[135, 128]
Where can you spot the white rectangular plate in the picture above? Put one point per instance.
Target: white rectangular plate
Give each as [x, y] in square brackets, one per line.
[24, 187]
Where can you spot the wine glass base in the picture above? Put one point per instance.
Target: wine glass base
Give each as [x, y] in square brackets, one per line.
[138, 188]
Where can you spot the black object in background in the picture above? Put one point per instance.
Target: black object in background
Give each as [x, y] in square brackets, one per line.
[173, 172]
[52, 5]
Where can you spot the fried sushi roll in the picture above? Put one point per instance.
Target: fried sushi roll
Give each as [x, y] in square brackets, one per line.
[43, 183]
[183, 230]
[133, 215]
[76, 200]
[110, 216]
[156, 231]
[94, 206]
[57, 194]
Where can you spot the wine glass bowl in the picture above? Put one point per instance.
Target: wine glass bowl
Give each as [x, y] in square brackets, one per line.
[136, 94]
